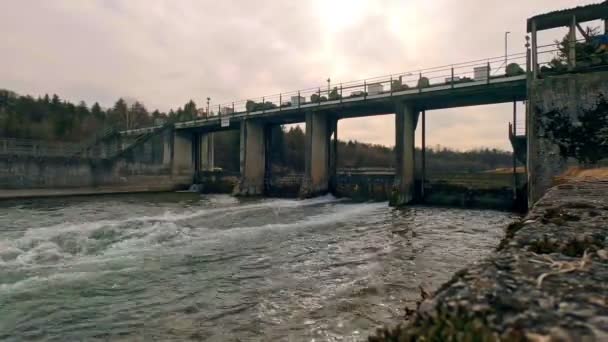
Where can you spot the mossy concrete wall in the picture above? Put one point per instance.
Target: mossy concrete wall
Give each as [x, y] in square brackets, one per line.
[570, 95]
[150, 165]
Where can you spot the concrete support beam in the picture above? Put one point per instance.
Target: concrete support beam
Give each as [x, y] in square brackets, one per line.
[406, 118]
[206, 152]
[253, 159]
[182, 161]
[534, 35]
[572, 45]
[168, 147]
[316, 173]
[333, 156]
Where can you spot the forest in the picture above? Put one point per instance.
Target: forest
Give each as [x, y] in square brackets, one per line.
[51, 118]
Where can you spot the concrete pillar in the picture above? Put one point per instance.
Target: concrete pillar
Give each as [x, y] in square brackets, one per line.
[406, 118]
[253, 159]
[206, 152]
[572, 44]
[167, 147]
[534, 35]
[333, 157]
[316, 172]
[182, 163]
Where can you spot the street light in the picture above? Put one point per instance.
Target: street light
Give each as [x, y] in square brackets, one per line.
[506, 46]
[208, 100]
[328, 86]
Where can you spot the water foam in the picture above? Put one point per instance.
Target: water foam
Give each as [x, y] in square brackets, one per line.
[109, 240]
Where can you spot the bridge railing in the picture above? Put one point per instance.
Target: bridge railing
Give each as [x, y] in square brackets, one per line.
[446, 76]
[37, 148]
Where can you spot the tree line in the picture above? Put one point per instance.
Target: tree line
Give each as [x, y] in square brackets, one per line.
[52, 118]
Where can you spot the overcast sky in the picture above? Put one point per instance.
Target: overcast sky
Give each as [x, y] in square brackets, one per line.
[165, 52]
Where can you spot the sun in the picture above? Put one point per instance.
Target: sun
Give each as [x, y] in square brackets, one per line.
[338, 15]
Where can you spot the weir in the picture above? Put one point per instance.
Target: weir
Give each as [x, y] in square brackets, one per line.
[547, 90]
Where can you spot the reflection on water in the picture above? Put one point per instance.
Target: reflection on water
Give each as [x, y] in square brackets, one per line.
[184, 267]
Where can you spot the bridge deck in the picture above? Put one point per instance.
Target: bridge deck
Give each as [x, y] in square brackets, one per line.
[494, 90]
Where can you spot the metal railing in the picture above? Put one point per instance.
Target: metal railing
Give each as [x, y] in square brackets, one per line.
[459, 75]
[517, 130]
[38, 148]
[446, 76]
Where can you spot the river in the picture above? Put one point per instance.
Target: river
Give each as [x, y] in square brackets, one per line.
[188, 267]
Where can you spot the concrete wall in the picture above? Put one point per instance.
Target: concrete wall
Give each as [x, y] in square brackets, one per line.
[150, 166]
[571, 95]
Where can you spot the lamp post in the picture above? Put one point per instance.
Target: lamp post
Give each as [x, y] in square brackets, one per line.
[328, 87]
[506, 48]
[208, 101]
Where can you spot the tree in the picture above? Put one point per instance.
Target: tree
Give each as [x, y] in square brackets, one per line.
[97, 112]
[139, 115]
[189, 112]
[119, 115]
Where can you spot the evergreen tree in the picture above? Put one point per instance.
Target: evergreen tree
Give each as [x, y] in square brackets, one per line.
[97, 113]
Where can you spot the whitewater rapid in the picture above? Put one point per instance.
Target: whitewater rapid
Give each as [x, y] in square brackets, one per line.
[186, 267]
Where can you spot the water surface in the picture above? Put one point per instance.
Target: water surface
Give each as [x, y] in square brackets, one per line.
[190, 267]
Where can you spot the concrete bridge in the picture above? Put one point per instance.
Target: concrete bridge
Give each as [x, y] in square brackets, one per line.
[408, 95]
[379, 96]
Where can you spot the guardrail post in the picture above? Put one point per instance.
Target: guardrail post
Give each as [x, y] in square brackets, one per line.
[488, 73]
[452, 79]
[319, 93]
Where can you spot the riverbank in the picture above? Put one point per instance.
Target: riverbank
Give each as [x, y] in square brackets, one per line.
[547, 281]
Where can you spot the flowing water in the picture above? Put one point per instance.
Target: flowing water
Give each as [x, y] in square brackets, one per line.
[190, 267]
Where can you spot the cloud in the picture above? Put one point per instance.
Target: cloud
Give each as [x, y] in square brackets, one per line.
[166, 52]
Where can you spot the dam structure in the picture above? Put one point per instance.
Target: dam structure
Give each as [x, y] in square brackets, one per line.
[407, 95]
[174, 153]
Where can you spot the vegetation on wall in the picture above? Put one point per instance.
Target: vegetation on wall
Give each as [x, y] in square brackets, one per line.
[585, 137]
[588, 52]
